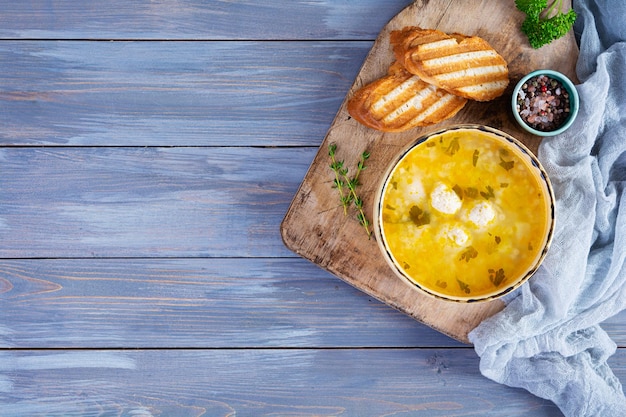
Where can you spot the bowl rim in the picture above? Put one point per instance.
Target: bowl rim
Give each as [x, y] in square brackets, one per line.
[550, 205]
[574, 101]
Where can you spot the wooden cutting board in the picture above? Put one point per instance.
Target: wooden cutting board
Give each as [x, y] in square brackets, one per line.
[315, 226]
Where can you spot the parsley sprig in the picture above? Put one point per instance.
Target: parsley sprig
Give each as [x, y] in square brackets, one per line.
[544, 23]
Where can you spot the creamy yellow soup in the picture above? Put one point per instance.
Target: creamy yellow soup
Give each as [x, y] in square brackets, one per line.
[463, 214]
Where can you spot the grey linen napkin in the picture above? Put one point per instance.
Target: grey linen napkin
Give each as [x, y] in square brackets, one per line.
[548, 338]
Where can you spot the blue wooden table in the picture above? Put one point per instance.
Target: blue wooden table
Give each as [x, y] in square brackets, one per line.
[148, 153]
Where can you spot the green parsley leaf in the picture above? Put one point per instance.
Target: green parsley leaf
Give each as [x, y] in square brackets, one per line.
[419, 216]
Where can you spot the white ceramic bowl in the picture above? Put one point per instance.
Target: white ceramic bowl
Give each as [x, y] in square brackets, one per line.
[464, 214]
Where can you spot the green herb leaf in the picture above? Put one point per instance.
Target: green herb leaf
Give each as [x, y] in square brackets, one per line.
[347, 186]
[531, 7]
[353, 183]
[363, 221]
[361, 165]
[464, 287]
[458, 190]
[544, 24]
[508, 165]
[475, 157]
[496, 277]
[453, 147]
[469, 253]
[471, 192]
[331, 150]
[419, 216]
[488, 194]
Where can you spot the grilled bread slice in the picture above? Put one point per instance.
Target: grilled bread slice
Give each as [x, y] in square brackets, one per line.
[400, 101]
[463, 65]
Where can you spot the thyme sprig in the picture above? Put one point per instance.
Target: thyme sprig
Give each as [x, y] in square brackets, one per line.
[338, 182]
[347, 187]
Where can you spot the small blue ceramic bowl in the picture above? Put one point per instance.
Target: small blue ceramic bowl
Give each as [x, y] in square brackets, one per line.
[573, 102]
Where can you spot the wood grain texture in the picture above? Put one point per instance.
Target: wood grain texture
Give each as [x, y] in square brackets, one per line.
[339, 245]
[173, 93]
[158, 303]
[146, 202]
[194, 303]
[196, 19]
[302, 382]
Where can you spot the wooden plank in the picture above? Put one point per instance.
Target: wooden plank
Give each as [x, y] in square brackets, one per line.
[146, 202]
[303, 382]
[339, 244]
[194, 303]
[195, 19]
[173, 93]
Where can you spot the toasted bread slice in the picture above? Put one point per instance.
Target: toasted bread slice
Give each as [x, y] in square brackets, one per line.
[463, 65]
[400, 101]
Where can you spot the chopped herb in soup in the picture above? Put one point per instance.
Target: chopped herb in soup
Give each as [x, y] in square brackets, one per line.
[465, 212]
